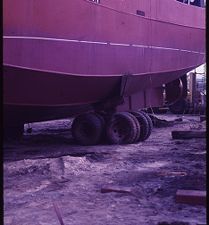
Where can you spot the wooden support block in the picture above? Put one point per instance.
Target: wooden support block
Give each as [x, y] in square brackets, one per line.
[115, 189]
[192, 197]
[174, 223]
[187, 134]
[202, 118]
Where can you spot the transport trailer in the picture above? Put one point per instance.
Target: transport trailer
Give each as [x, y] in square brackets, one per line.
[98, 61]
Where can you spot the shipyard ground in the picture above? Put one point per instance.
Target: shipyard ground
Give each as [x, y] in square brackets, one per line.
[131, 184]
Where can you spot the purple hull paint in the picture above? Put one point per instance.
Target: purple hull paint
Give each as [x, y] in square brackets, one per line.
[76, 52]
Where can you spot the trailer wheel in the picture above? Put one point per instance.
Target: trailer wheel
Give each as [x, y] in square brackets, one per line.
[150, 124]
[123, 128]
[103, 124]
[102, 119]
[144, 125]
[87, 129]
[138, 128]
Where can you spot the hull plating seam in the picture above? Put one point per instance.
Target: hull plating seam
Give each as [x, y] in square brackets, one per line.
[101, 43]
[106, 75]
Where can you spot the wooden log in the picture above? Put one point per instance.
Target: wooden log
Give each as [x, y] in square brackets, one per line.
[202, 118]
[188, 134]
[192, 197]
[160, 122]
[108, 189]
[174, 223]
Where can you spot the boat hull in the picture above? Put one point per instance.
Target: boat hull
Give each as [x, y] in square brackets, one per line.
[40, 88]
[78, 53]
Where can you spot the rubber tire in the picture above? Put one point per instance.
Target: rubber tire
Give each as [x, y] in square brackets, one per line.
[103, 123]
[87, 129]
[102, 119]
[144, 125]
[129, 134]
[138, 127]
[150, 124]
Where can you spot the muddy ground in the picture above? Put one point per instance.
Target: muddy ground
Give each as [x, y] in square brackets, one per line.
[47, 167]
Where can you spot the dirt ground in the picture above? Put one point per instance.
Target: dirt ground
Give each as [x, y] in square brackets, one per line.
[47, 167]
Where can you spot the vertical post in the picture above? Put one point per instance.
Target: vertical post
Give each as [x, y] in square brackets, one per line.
[192, 87]
[201, 3]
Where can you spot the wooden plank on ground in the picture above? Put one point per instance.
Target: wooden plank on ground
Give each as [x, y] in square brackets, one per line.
[192, 197]
[202, 118]
[108, 189]
[187, 134]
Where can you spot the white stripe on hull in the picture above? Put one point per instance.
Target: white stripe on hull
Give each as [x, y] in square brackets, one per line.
[101, 43]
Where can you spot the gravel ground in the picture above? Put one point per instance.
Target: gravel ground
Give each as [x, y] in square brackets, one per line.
[48, 168]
